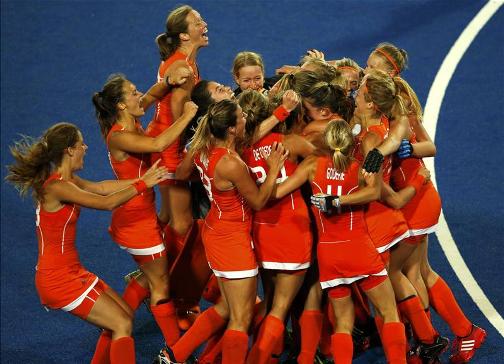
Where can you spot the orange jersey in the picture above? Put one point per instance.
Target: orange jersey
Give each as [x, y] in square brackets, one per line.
[163, 117]
[60, 278]
[134, 224]
[226, 233]
[282, 223]
[386, 226]
[56, 234]
[345, 251]
[225, 205]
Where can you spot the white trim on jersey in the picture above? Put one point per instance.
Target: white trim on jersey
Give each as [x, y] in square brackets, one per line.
[145, 251]
[64, 230]
[349, 280]
[284, 266]
[73, 305]
[393, 242]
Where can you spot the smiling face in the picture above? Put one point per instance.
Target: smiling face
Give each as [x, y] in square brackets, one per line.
[196, 29]
[250, 77]
[219, 92]
[131, 100]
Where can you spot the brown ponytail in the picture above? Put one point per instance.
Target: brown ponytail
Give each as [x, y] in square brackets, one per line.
[36, 158]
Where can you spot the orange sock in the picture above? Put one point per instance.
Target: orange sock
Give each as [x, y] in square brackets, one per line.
[342, 348]
[443, 301]
[102, 351]
[234, 347]
[412, 309]
[328, 322]
[311, 330]
[213, 349]
[122, 351]
[278, 349]
[165, 317]
[394, 342]
[271, 330]
[134, 294]
[208, 323]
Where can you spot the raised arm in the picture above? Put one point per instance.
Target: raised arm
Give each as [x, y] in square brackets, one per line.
[176, 75]
[290, 100]
[133, 142]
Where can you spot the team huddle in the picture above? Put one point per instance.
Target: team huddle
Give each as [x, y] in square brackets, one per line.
[311, 180]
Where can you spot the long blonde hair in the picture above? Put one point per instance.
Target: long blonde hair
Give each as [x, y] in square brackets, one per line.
[383, 91]
[338, 137]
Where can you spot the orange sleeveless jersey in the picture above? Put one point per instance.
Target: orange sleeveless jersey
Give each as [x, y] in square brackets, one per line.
[134, 224]
[281, 230]
[226, 233]
[423, 210]
[386, 225]
[163, 118]
[60, 278]
[345, 251]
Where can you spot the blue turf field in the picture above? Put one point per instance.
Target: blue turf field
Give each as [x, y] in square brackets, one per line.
[55, 54]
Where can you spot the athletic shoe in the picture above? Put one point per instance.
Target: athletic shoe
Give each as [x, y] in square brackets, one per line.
[165, 356]
[128, 277]
[463, 348]
[429, 353]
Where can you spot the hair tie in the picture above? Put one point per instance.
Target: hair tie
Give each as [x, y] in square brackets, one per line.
[390, 59]
[337, 149]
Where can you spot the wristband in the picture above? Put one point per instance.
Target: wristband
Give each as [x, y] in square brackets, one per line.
[281, 113]
[140, 186]
[417, 182]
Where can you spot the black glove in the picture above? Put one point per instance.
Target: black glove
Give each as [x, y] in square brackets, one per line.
[325, 203]
[373, 161]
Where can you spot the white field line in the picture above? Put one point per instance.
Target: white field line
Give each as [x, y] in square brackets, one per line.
[431, 114]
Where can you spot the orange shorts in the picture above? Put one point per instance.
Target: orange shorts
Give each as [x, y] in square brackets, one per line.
[229, 249]
[136, 228]
[422, 212]
[386, 226]
[66, 288]
[351, 258]
[271, 241]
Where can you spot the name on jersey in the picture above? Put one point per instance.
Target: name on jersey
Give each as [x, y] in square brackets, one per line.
[334, 174]
[265, 150]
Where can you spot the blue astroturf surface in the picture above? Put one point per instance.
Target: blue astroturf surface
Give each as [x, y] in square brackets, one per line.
[55, 54]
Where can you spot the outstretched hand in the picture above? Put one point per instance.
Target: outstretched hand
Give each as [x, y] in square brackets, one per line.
[155, 174]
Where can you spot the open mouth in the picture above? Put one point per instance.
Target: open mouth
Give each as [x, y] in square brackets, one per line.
[205, 35]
